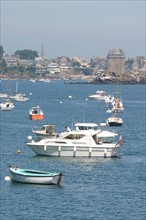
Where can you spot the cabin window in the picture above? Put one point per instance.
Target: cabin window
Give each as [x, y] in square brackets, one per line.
[82, 128]
[74, 136]
[108, 140]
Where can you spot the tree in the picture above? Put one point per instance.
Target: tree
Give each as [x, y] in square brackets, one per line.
[1, 52]
[3, 65]
[75, 64]
[26, 54]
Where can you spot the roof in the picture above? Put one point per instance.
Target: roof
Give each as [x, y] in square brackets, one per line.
[86, 124]
[107, 134]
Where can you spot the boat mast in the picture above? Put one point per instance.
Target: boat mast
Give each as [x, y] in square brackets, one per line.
[16, 87]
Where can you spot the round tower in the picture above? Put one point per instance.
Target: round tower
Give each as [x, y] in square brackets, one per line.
[116, 62]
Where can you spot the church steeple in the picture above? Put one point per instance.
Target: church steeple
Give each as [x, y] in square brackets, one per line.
[42, 55]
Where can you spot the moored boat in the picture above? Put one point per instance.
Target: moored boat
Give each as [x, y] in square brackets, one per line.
[7, 106]
[19, 97]
[87, 140]
[114, 121]
[36, 113]
[116, 106]
[46, 131]
[99, 95]
[35, 176]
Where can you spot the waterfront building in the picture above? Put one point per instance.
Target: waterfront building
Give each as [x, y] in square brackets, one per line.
[11, 60]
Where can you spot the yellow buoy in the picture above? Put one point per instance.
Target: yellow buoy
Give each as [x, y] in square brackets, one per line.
[18, 151]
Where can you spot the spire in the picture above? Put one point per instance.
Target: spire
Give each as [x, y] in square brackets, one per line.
[42, 52]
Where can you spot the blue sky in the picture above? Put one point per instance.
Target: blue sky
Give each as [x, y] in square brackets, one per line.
[74, 28]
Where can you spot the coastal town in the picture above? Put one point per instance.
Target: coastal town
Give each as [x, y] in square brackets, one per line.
[114, 68]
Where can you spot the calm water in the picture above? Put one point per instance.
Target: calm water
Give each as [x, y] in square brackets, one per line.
[104, 189]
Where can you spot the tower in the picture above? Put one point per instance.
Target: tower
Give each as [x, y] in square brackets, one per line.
[116, 62]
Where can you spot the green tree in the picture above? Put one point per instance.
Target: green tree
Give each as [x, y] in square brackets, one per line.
[75, 64]
[1, 52]
[26, 54]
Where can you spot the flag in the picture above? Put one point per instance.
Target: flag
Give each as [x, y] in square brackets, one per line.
[120, 140]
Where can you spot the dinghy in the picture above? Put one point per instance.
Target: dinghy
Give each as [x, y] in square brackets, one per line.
[35, 176]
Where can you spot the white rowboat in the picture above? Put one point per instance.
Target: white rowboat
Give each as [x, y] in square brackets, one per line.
[35, 176]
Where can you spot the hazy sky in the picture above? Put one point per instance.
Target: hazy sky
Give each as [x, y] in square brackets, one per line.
[74, 28]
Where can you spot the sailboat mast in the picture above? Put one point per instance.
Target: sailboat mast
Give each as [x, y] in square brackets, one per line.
[16, 87]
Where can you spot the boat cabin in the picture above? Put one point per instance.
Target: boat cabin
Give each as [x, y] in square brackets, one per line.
[86, 126]
[45, 129]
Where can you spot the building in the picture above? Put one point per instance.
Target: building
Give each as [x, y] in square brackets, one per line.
[11, 60]
[116, 62]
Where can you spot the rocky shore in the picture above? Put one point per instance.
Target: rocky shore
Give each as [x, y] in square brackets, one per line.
[103, 78]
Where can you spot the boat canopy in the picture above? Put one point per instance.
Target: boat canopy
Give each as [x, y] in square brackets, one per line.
[104, 134]
[47, 128]
[86, 126]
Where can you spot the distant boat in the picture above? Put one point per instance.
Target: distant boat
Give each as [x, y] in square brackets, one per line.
[7, 106]
[114, 121]
[35, 176]
[19, 96]
[99, 95]
[46, 131]
[36, 113]
[116, 106]
[3, 95]
[109, 99]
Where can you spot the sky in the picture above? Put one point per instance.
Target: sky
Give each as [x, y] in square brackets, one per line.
[74, 28]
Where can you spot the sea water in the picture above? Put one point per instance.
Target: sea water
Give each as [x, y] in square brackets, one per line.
[92, 188]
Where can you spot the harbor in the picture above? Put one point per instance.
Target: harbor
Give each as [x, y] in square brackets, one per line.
[108, 182]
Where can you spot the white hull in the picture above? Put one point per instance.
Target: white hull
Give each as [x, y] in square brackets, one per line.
[96, 97]
[78, 151]
[35, 180]
[87, 140]
[6, 106]
[100, 95]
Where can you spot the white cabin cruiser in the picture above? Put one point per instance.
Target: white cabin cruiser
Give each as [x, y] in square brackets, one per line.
[99, 95]
[7, 106]
[87, 140]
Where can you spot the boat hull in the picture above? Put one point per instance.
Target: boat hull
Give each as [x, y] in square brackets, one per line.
[36, 117]
[46, 180]
[97, 98]
[6, 106]
[7, 109]
[75, 151]
[114, 124]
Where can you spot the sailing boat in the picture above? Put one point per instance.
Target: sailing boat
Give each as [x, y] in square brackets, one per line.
[19, 96]
[6, 104]
[114, 120]
[116, 108]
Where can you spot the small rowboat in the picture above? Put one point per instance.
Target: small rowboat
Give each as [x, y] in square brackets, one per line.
[35, 176]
